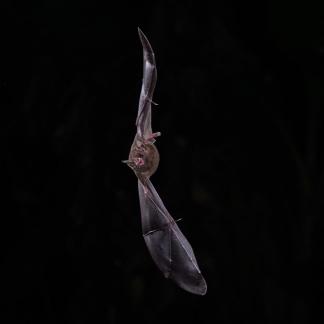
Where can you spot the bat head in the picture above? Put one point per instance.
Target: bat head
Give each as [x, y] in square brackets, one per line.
[143, 158]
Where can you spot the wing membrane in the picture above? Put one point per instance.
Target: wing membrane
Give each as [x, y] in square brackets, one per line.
[143, 121]
[169, 248]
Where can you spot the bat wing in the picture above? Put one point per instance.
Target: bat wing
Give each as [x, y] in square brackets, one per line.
[143, 121]
[170, 250]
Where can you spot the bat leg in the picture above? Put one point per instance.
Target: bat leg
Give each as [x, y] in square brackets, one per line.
[145, 190]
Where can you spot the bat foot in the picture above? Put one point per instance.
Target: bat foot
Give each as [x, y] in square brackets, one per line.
[152, 138]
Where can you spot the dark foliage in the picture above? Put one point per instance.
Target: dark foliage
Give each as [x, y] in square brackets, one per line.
[240, 93]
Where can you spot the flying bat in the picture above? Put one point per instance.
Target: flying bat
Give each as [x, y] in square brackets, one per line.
[168, 247]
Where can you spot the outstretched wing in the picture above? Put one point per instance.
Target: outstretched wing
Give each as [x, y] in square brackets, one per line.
[143, 121]
[169, 248]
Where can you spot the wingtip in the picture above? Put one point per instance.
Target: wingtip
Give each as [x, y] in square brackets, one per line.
[145, 43]
[194, 283]
[204, 289]
[201, 289]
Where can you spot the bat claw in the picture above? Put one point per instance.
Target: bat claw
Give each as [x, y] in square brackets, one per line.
[153, 102]
[147, 97]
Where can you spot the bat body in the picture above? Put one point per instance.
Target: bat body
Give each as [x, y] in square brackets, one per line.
[169, 249]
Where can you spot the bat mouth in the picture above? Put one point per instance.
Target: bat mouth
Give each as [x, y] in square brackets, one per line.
[139, 162]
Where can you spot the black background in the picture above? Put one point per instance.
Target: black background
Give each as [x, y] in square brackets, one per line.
[240, 93]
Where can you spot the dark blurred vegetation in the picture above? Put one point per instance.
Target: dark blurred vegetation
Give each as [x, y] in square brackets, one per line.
[240, 93]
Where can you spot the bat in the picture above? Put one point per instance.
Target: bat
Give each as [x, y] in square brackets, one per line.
[168, 247]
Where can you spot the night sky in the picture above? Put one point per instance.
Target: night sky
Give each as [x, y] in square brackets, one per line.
[240, 92]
